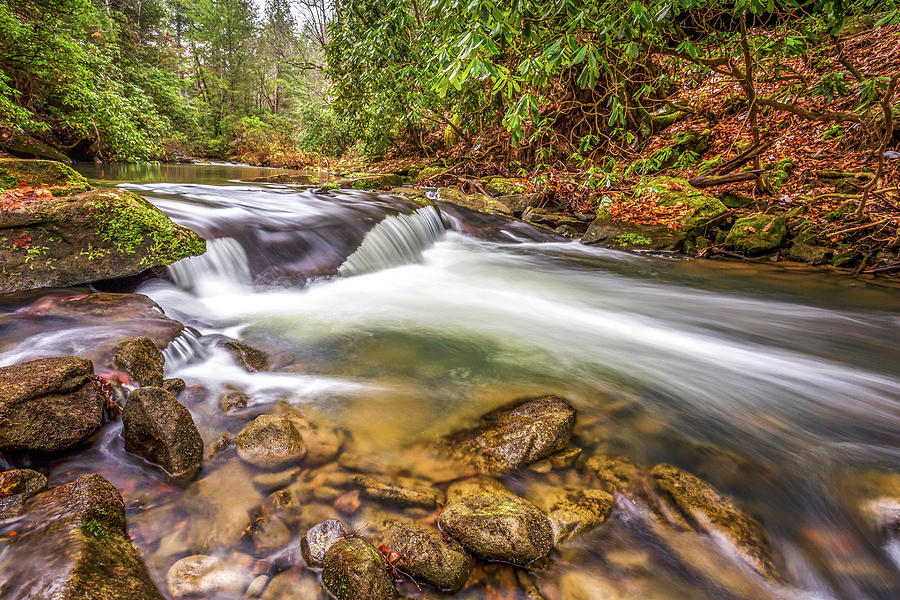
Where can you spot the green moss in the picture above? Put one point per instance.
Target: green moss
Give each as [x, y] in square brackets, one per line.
[708, 165]
[15, 171]
[632, 239]
[330, 185]
[95, 529]
[429, 173]
[126, 221]
[504, 186]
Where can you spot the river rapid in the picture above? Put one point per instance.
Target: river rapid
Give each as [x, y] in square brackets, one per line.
[402, 322]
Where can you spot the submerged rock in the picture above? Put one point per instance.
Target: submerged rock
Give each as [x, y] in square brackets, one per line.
[353, 569]
[142, 359]
[159, 428]
[756, 234]
[49, 404]
[271, 442]
[319, 539]
[201, 575]
[500, 527]
[717, 515]
[673, 201]
[879, 504]
[220, 505]
[72, 545]
[509, 438]
[426, 556]
[88, 237]
[323, 441]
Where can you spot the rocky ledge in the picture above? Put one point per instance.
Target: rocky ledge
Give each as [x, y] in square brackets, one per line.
[53, 237]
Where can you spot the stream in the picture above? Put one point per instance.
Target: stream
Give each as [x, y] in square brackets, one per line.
[402, 322]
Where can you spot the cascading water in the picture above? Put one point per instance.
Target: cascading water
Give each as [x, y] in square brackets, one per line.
[225, 260]
[397, 240]
[780, 388]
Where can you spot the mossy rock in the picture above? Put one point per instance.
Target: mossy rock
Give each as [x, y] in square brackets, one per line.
[142, 359]
[23, 145]
[427, 557]
[710, 164]
[499, 526]
[159, 428]
[695, 211]
[756, 234]
[61, 178]
[810, 254]
[428, 173]
[779, 173]
[286, 178]
[504, 186]
[377, 182]
[72, 545]
[478, 202]
[87, 237]
[353, 569]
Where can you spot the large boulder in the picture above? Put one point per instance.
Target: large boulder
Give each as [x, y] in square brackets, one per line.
[142, 359]
[271, 442]
[717, 515]
[659, 214]
[159, 428]
[353, 569]
[48, 404]
[18, 143]
[426, 556]
[72, 544]
[512, 437]
[86, 237]
[756, 234]
[499, 526]
[61, 179]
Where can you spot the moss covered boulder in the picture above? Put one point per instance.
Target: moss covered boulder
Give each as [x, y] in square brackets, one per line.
[72, 545]
[756, 234]
[49, 404]
[62, 179]
[717, 515]
[18, 143]
[353, 569]
[499, 526]
[159, 428]
[95, 235]
[427, 556]
[659, 214]
[516, 436]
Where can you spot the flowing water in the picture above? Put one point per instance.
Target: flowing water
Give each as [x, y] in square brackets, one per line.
[400, 323]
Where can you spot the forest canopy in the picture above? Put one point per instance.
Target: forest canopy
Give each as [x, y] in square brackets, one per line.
[542, 82]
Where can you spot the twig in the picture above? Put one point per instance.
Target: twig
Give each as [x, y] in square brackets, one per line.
[859, 227]
[888, 110]
[895, 266]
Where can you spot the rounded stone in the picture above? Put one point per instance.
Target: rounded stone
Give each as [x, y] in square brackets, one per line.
[501, 527]
[319, 539]
[353, 569]
[271, 442]
[202, 575]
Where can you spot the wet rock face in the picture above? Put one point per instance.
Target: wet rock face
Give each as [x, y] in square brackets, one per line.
[574, 512]
[510, 438]
[72, 545]
[49, 404]
[319, 539]
[108, 233]
[271, 442]
[353, 569]
[717, 515]
[17, 486]
[141, 358]
[249, 358]
[201, 575]
[500, 527]
[159, 428]
[427, 557]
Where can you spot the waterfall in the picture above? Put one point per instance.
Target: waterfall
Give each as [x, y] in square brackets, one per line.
[184, 349]
[396, 240]
[224, 260]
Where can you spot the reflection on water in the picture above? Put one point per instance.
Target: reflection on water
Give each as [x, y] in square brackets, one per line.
[777, 385]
